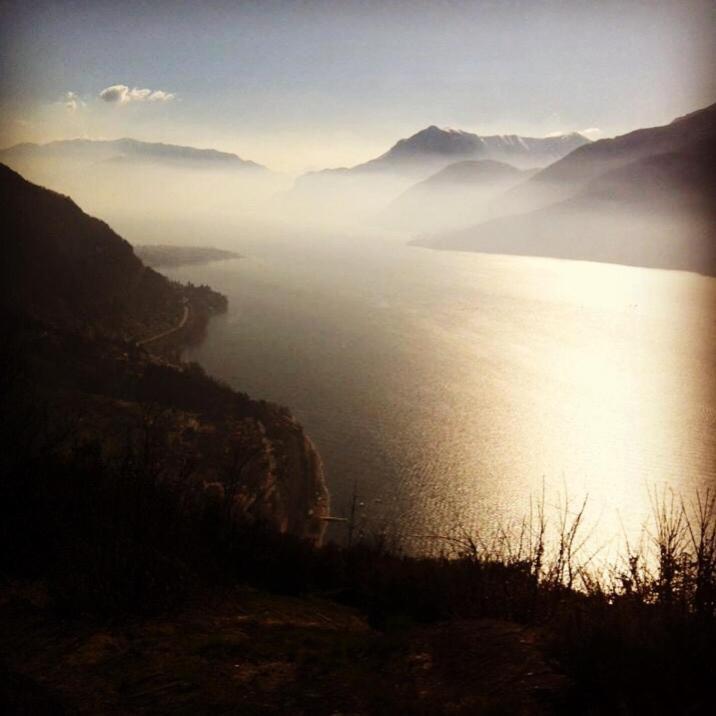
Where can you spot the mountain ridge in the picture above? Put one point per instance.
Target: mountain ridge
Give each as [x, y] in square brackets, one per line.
[472, 170]
[457, 195]
[567, 174]
[126, 148]
[441, 145]
[655, 212]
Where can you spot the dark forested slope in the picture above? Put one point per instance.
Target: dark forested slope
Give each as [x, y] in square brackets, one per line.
[70, 270]
[89, 331]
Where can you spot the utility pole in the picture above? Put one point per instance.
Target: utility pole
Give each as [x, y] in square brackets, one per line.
[351, 521]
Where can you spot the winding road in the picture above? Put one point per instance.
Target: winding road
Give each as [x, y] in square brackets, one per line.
[163, 334]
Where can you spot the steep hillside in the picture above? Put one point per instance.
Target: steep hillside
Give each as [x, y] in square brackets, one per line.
[70, 270]
[92, 336]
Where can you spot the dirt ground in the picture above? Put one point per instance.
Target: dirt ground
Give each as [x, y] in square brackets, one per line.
[243, 651]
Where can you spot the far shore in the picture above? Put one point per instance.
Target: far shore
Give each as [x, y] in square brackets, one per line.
[165, 256]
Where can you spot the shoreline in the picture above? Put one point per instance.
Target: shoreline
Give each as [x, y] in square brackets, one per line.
[306, 519]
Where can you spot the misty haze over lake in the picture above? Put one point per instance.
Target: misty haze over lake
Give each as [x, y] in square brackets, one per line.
[449, 390]
[452, 388]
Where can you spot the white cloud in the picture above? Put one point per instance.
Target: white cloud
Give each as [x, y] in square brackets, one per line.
[121, 94]
[161, 96]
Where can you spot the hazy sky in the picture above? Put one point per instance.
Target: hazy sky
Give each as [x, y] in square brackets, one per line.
[299, 85]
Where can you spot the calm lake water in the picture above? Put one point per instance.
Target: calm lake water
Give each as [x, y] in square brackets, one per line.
[453, 388]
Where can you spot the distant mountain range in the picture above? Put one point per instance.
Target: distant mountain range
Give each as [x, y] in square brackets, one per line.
[123, 150]
[348, 195]
[449, 145]
[643, 198]
[433, 148]
[137, 186]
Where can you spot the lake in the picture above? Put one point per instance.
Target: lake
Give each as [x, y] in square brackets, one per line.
[450, 390]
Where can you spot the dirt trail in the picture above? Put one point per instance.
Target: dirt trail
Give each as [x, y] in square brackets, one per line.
[164, 334]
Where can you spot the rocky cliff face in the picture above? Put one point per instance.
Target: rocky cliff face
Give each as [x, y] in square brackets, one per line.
[252, 461]
[285, 483]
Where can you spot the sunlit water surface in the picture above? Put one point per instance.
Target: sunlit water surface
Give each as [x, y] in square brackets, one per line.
[454, 388]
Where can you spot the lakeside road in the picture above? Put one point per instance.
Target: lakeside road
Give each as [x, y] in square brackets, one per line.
[163, 334]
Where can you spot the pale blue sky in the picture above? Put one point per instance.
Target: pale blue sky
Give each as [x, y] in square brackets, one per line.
[308, 84]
